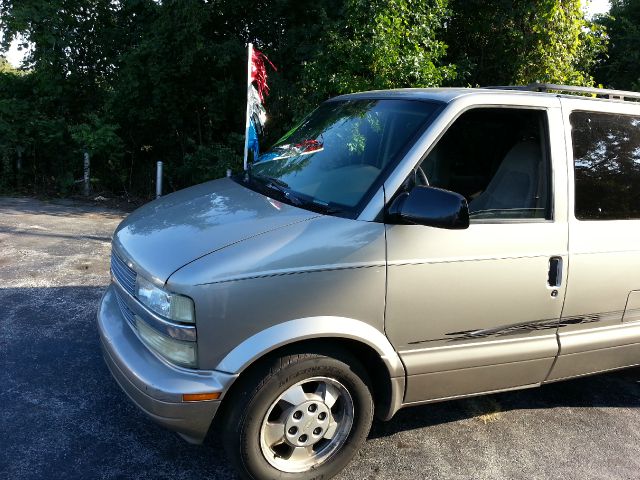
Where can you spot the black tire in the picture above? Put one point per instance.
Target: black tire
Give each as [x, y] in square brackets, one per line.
[250, 399]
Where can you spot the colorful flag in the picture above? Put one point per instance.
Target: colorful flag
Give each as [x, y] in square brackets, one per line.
[257, 90]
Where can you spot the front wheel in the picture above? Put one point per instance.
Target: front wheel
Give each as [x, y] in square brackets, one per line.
[300, 416]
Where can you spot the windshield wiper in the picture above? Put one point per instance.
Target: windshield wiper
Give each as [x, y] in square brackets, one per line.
[273, 183]
[294, 198]
[315, 205]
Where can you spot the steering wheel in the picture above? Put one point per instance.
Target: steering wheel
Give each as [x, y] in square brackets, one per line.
[421, 176]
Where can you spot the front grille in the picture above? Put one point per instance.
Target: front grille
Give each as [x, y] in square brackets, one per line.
[126, 311]
[123, 274]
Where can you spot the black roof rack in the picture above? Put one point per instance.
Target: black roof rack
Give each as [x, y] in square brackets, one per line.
[599, 92]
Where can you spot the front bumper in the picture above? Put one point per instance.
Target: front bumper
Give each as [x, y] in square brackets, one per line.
[155, 386]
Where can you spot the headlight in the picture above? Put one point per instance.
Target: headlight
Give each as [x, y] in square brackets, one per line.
[169, 305]
[176, 351]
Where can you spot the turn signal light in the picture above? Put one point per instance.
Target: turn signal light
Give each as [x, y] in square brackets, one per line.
[198, 397]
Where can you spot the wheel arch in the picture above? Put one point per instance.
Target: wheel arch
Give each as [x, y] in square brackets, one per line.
[368, 344]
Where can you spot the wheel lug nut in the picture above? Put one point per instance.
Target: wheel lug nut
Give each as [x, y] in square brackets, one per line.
[302, 439]
[297, 414]
[293, 430]
[313, 407]
[317, 431]
[322, 416]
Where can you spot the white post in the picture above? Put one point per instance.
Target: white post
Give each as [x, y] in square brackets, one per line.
[158, 179]
[248, 113]
[87, 186]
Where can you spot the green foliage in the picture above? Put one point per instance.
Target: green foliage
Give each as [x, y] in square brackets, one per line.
[500, 42]
[137, 81]
[32, 139]
[381, 44]
[622, 67]
[98, 137]
[101, 140]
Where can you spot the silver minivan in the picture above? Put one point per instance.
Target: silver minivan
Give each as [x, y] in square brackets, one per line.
[395, 248]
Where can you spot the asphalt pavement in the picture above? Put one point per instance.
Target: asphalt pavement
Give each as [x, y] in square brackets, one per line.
[62, 416]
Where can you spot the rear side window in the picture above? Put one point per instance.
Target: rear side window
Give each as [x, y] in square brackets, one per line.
[606, 152]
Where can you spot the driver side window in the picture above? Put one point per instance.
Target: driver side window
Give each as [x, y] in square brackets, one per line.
[497, 158]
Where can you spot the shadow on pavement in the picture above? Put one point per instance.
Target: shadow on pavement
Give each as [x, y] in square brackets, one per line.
[63, 415]
[619, 389]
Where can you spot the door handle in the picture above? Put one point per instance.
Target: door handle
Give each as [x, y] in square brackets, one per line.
[555, 272]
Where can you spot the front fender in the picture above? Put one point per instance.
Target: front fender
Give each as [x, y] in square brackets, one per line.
[300, 329]
[293, 331]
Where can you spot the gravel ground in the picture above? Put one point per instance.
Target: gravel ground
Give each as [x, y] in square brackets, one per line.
[63, 417]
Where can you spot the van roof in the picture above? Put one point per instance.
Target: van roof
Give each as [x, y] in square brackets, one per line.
[446, 95]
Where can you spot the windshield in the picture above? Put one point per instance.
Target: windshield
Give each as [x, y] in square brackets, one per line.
[337, 155]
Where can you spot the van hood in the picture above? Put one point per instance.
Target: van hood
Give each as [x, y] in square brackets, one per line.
[166, 234]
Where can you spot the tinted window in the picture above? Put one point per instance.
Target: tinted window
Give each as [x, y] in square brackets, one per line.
[497, 159]
[606, 152]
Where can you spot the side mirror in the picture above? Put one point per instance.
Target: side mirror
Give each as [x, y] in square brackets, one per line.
[431, 206]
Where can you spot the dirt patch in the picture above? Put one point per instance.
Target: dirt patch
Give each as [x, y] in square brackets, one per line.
[484, 409]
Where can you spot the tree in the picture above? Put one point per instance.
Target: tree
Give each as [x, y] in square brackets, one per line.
[75, 45]
[30, 135]
[621, 67]
[502, 42]
[381, 44]
[138, 81]
[66, 72]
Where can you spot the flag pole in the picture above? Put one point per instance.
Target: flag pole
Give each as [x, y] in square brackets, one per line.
[248, 112]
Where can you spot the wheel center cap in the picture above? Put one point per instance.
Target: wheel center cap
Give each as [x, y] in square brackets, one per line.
[307, 423]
